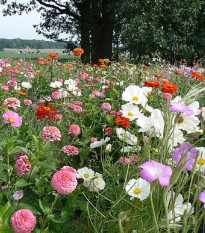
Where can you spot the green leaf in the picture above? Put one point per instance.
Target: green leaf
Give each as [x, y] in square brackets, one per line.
[6, 230]
[4, 209]
[22, 183]
[56, 219]
[47, 165]
[44, 207]
[45, 231]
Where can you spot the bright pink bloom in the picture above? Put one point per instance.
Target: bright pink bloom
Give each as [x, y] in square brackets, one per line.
[106, 107]
[109, 131]
[64, 181]
[12, 102]
[12, 82]
[79, 103]
[77, 108]
[118, 113]
[60, 80]
[23, 221]
[107, 81]
[12, 118]
[22, 165]
[94, 139]
[27, 102]
[167, 96]
[74, 130]
[5, 89]
[70, 169]
[83, 75]
[56, 95]
[202, 197]
[97, 80]
[50, 133]
[70, 150]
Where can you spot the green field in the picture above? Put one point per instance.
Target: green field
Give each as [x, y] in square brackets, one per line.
[7, 54]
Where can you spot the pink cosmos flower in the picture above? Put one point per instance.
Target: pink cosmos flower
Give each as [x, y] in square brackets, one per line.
[106, 107]
[5, 88]
[12, 118]
[202, 197]
[74, 130]
[23, 221]
[180, 107]
[64, 181]
[70, 150]
[12, 102]
[153, 170]
[50, 133]
[27, 102]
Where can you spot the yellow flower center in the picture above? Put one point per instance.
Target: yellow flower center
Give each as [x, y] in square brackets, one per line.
[47, 108]
[97, 183]
[11, 120]
[137, 191]
[180, 120]
[201, 161]
[130, 114]
[86, 175]
[135, 98]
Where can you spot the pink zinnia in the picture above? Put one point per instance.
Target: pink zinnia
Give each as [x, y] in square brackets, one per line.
[70, 150]
[74, 130]
[12, 82]
[22, 165]
[56, 95]
[64, 181]
[12, 118]
[23, 221]
[5, 89]
[51, 133]
[79, 103]
[109, 131]
[27, 102]
[106, 107]
[167, 96]
[12, 102]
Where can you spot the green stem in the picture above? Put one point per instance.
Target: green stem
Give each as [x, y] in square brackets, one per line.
[166, 208]
[153, 210]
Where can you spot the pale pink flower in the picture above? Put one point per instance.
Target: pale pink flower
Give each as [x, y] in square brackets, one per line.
[64, 181]
[70, 150]
[12, 102]
[74, 130]
[58, 116]
[35, 106]
[56, 95]
[5, 88]
[22, 165]
[79, 103]
[27, 102]
[70, 169]
[50, 133]
[12, 118]
[12, 82]
[60, 80]
[167, 96]
[77, 108]
[23, 221]
[94, 139]
[106, 107]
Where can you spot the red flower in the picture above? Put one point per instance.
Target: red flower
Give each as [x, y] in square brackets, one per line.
[123, 121]
[158, 75]
[197, 75]
[53, 55]
[46, 112]
[168, 87]
[78, 51]
[152, 84]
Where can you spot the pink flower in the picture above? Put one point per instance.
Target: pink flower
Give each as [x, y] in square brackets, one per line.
[83, 75]
[202, 197]
[70, 150]
[12, 82]
[106, 107]
[12, 102]
[70, 169]
[12, 118]
[5, 89]
[58, 116]
[35, 106]
[93, 139]
[23, 221]
[56, 95]
[64, 181]
[167, 96]
[127, 160]
[74, 130]
[109, 131]
[51, 133]
[22, 165]
[79, 103]
[27, 102]
[107, 81]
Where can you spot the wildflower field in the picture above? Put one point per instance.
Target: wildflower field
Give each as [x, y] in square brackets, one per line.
[115, 148]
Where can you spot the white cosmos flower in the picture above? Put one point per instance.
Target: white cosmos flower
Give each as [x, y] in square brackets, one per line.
[188, 123]
[96, 183]
[56, 84]
[70, 82]
[200, 163]
[130, 111]
[138, 188]
[99, 143]
[176, 138]
[127, 149]
[126, 137]
[153, 124]
[64, 94]
[77, 93]
[85, 173]
[26, 85]
[108, 148]
[135, 95]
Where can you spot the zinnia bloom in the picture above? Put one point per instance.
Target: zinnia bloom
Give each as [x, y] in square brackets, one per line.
[23, 221]
[106, 107]
[153, 170]
[78, 51]
[46, 112]
[123, 121]
[197, 75]
[12, 102]
[152, 84]
[64, 181]
[74, 130]
[12, 118]
[51, 133]
[169, 87]
[53, 55]
[22, 165]
[70, 150]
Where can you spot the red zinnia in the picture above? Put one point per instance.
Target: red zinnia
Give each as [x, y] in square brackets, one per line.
[53, 55]
[46, 112]
[123, 121]
[158, 75]
[168, 87]
[197, 75]
[152, 84]
[78, 51]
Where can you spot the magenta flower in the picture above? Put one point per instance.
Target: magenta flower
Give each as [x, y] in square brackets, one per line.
[153, 170]
[23, 221]
[185, 151]
[182, 108]
[202, 197]
[75, 130]
[12, 118]
[106, 107]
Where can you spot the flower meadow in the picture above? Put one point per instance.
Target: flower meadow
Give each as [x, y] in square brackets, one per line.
[101, 148]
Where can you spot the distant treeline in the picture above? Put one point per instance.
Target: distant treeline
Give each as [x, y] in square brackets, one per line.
[33, 44]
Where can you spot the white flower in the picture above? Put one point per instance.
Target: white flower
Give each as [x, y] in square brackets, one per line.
[176, 138]
[108, 148]
[126, 136]
[56, 84]
[195, 107]
[77, 93]
[188, 123]
[1, 69]
[26, 85]
[203, 113]
[127, 149]
[138, 188]
[70, 82]
[17, 88]
[200, 163]
[96, 183]
[130, 111]
[64, 94]
[153, 124]
[135, 95]
[99, 143]
[85, 173]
